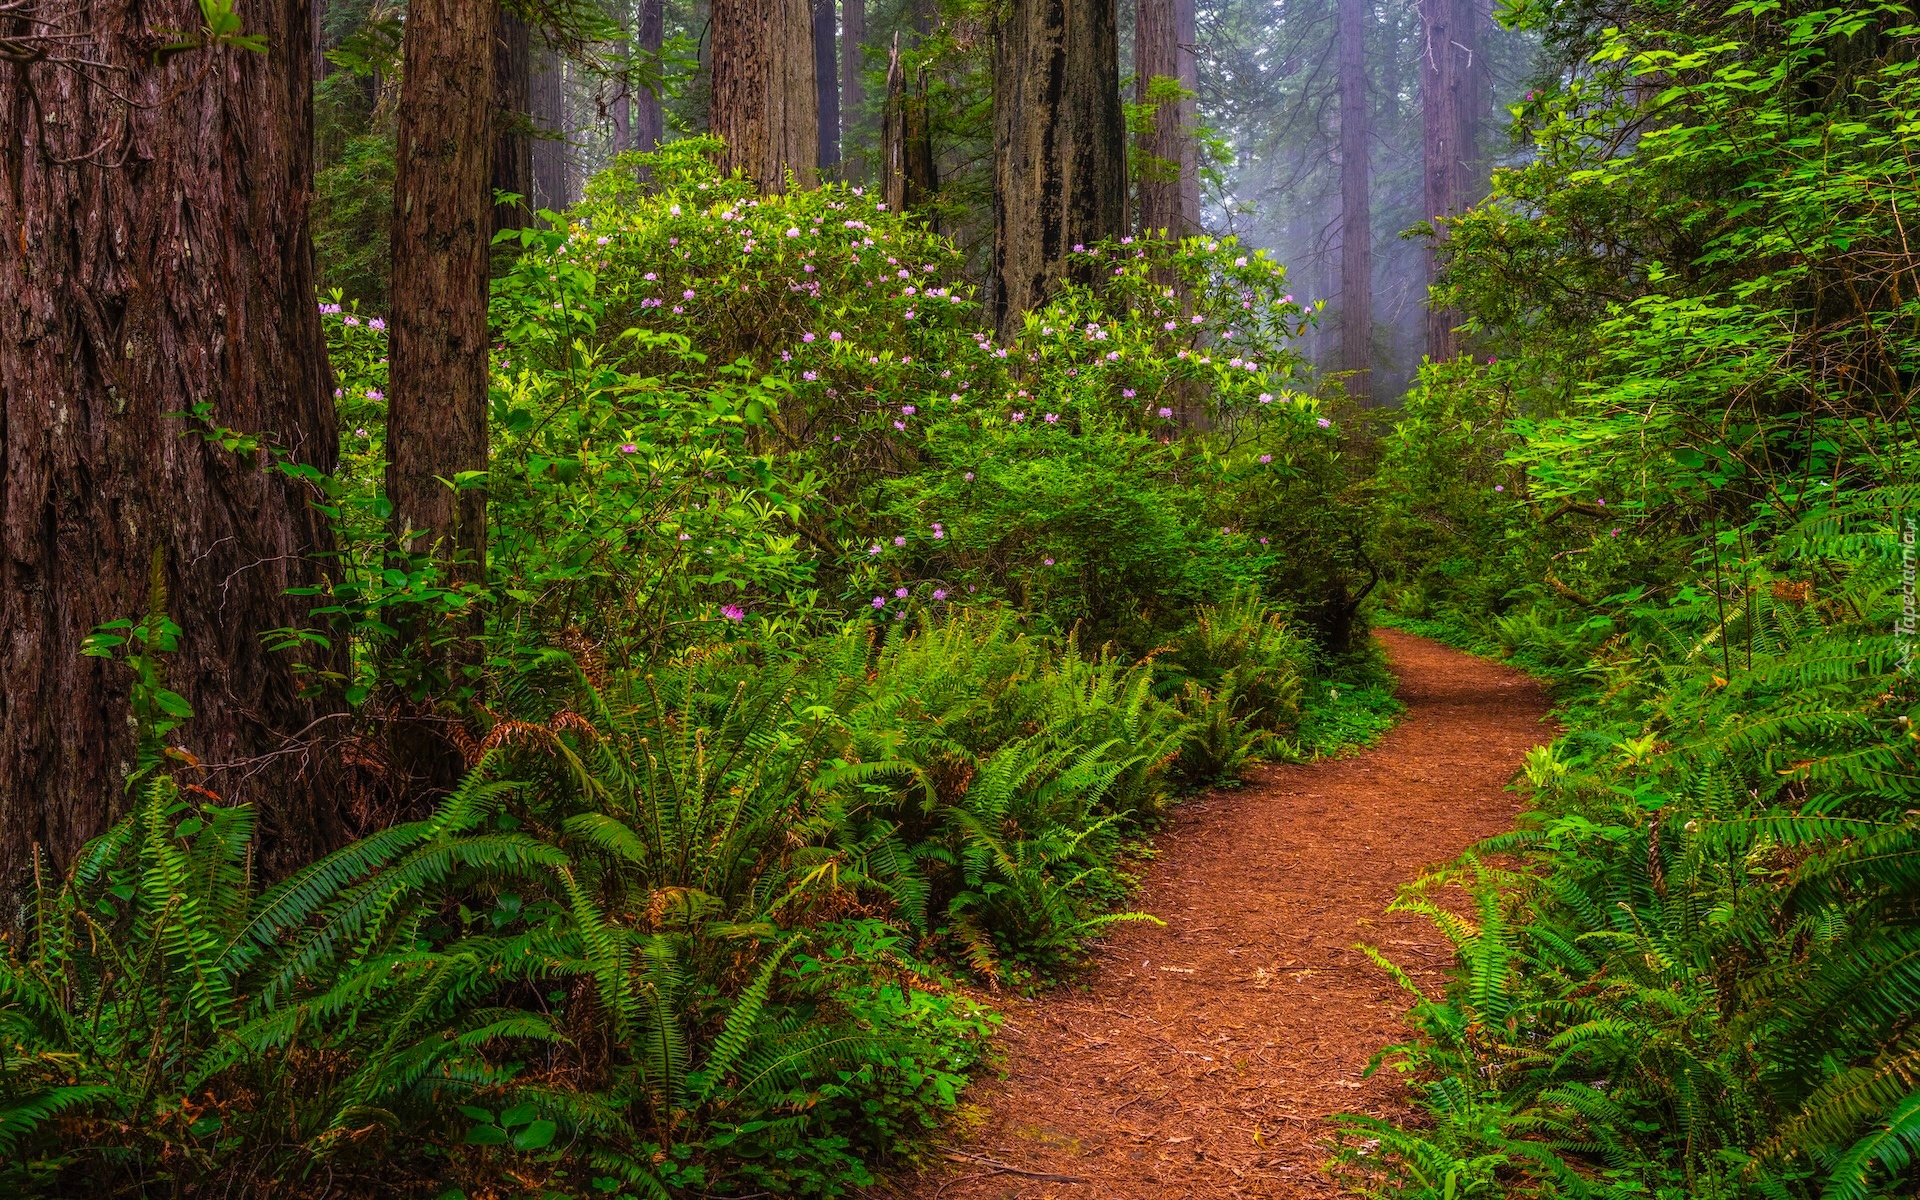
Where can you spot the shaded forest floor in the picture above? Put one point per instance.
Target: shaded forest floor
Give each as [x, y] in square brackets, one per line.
[1203, 1059]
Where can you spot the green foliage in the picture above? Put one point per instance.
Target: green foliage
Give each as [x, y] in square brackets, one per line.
[1685, 490]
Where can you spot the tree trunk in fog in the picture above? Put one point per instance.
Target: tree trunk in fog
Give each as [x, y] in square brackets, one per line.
[1356, 223]
[157, 257]
[620, 103]
[1452, 80]
[442, 219]
[548, 145]
[853, 85]
[826, 81]
[1170, 171]
[512, 148]
[649, 127]
[1059, 141]
[765, 107]
[907, 173]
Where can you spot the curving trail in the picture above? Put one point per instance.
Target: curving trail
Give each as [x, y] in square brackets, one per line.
[1202, 1059]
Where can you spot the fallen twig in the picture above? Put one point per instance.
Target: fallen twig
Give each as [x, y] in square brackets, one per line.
[1009, 1168]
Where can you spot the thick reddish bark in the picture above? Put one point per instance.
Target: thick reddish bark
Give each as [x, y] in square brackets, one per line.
[853, 79]
[157, 256]
[764, 105]
[1356, 222]
[1170, 168]
[442, 224]
[1059, 145]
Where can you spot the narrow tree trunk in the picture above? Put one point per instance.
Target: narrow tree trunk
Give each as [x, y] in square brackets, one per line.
[826, 81]
[512, 148]
[1169, 153]
[853, 83]
[157, 257]
[1356, 223]
[1059, 145]
[437, 398]
[765, 107]
[1451, 78]
[917, 131]
[649, 128]
[549, 149]
[620, 104]
[893, 133]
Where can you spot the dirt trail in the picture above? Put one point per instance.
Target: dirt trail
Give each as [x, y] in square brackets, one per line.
[1203, 1058]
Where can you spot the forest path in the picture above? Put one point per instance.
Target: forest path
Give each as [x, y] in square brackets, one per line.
[1202, 1059]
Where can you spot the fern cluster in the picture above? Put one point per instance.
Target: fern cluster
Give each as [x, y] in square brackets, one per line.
[684, 930]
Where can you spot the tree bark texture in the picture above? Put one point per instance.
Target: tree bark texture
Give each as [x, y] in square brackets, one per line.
[826, 79]
[548, 139]
[157, 256]
[853, 80]
[512, 98]
[1059, 145]
[764, 104]
[1170, 164]
[906, 138]
[1453, 78]
[649, 126]
[1356, 221]
[442, 222]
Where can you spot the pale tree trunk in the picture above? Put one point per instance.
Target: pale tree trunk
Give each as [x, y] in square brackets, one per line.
[1059, 141]
[1452, 78]
[157, 257]
[620, 103]
[826, 80]
[765, 107]
[442, 221]
[853, 83]
[1170, 168]
[649, 127]
[549, 148]
[1356, 223]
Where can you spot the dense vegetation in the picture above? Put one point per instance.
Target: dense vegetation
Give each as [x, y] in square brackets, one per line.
[832, 656]
[1680, 481]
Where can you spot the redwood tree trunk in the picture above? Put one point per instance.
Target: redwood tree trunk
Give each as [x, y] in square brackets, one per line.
[1170, 168]
[1059, 145]
[853, 66]
[764, 104]
[649, 128]
[549, 148]
[1356, 223]
[1452, 75]
[826, 81]
[442, 222]
[512, 149]
[157, 256]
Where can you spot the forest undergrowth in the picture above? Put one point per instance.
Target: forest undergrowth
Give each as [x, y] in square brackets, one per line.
[829, 657]
[1679, 482]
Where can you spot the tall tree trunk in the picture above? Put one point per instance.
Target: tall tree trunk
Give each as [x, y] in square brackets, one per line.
[1356, 222]
[649, 128]
[620, 104]
[1059, 141]
[853, 81]
[512, 148]
[764, 104]
[826, 81]
[157, 257]
[1170, 169]
[906, 139]
[1452, 76]
[437, 402]
[549, 148]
